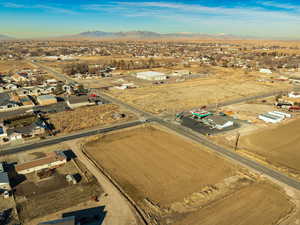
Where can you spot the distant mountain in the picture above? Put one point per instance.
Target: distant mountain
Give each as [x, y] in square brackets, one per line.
[5, 37]
[150, 35]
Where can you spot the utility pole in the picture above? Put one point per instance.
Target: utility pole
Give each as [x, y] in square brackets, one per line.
[237, 141]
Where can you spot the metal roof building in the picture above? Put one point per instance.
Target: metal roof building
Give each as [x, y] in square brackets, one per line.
[151, 75]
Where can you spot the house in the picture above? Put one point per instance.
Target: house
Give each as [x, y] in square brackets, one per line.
[19, 78]
[1, 167]
[151, 75]
[10, 87]
[52, 160]
[46, 100]
[4, 182]
[64, 221]
[6, 102]
[51, 82]
[3, 132]
[26, 101]
[79, 101]
[35, 129]
[14, 136]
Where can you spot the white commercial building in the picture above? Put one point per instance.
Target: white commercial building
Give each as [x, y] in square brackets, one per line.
[294, 95]
[151, 75]
[267, 71]
[270, 118]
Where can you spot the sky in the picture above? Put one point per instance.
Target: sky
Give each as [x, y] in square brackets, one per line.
[50, 18]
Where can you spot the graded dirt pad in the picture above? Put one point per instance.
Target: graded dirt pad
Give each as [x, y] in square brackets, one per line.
[70, 121]
[152, 163]
[259, 204]
[171, 98]
[278, 145]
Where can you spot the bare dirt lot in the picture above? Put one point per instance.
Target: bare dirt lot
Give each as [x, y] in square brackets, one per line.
[69, 121]
[174, 180]
[13, 66]
[278, 145]
[141, 158]
[170, 98]
[243, 207]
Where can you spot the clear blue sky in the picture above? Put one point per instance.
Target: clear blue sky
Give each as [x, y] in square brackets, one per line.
[262, 18]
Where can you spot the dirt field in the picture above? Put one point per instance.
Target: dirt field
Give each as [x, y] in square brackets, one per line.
[143, 157]
[278, 145]
[258, 204]
[170, 98]
[174, 180]
[12, 65]
[67, 122]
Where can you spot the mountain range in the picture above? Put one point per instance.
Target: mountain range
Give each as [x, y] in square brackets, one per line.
[150, 35]
[5, 37]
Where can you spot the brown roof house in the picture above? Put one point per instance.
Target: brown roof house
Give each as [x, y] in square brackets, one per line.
[52, 160]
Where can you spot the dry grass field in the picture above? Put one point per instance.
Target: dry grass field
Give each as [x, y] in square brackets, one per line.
[178, 182]
[226, 85]
[13, 66]
[152, 163]
[67, 122]
[279, 145]
[259, 204]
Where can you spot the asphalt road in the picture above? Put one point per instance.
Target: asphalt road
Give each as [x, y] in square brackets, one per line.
[180, 130]
[57, 75]
[57, 140]
[235, 156]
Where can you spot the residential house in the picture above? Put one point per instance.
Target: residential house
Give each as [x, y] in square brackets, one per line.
[79, 101]
[6, 102]
[52, 160]
[4, 182]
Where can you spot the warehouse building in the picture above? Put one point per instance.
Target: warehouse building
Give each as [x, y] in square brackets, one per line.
[268, 118]
[46, 100]
[151, 75]
[52, 160]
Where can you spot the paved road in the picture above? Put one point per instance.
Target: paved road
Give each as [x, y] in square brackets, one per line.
[234, 156]
[57, 140]
[56, 74]
[198, 138]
